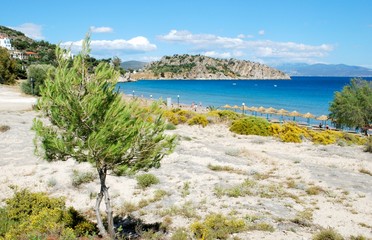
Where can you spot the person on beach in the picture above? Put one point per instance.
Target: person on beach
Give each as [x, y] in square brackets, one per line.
[320, 125]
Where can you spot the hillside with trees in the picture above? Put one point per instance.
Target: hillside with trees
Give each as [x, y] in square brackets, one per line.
[202, 67]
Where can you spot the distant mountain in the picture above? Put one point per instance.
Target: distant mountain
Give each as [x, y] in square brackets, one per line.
[339, 70]
[202, 67]
[133, 65]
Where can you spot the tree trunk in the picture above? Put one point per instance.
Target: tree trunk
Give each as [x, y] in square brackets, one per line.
[101, 228]
[102, 172]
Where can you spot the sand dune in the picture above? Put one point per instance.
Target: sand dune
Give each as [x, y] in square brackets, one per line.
[283, 177]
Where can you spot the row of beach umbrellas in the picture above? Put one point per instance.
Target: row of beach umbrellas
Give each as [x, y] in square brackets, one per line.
[282, 112]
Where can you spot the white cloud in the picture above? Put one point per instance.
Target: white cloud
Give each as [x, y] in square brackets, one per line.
[227, 47]
[261, 32]
[101, 29]
[241, 36]
[31, 30]
[135, 45]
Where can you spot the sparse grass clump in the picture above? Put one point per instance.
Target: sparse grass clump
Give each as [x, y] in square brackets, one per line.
[217, 226]
[262, 226]
[365, 171]
[219, 168]
[180, 234]
[327, 234]
[314, 190]
[4, 128]
[146, 180]
[79, 178]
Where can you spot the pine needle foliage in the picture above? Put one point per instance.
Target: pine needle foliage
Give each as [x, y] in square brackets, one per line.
[90, 122]
[352, 107]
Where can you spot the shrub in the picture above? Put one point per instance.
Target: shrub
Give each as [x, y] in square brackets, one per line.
[216, 226]
[290, 132]
[146, 180]
[251, 126]
[274, 129]
[228, 115]
[326, 137]
[328, 234]
[198, 120]
[368, 145]
[170, 126]
[38, 73]
[180, 234]
[35, 216]
[79, 178]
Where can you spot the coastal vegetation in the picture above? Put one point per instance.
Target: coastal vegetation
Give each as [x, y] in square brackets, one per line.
[30, 215]
[352, 107]
[37, 74]
[251, 125]
[89, 122]
[7, 68]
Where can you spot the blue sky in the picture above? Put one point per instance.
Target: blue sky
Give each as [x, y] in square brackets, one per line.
[266, 31]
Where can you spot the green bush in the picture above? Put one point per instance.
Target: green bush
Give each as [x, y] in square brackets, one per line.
[217, 226]
[146, 180]
[198, 120]
[368, 147]
[38, 72]
[228, 115]
[327, 234]
[251, 126]
[36, 216]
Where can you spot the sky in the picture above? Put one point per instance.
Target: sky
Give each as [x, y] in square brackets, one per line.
[266, 31]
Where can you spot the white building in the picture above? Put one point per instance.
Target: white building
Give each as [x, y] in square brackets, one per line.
[5, 42]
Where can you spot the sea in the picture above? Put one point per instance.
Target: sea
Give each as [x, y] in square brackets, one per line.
[301, 94]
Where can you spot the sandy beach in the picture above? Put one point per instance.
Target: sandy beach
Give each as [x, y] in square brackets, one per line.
[298, 189]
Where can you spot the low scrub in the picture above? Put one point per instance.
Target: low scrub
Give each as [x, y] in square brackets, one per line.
[217, 226]
[290, 132]
[146, 180]
[30, 215]
[198, 120]
[251, 126]
[368, 145]
[79, 178]
[328, 234]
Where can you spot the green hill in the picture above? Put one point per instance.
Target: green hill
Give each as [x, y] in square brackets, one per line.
[133, 65]
[202, 67]
[45, 51]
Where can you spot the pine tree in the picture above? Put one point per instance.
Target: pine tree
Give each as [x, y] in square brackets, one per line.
[90, 122]
[352, 107]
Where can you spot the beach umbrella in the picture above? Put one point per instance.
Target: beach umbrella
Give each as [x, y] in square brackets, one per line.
[235, 107]
[226, 106]
[255, 109]
[294, 114]
[252, 109]
[322, 118]
[269, 110]
[261, 110]
[308, 116]
[282, 112]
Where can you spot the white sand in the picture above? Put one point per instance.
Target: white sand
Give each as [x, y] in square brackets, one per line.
[345, 204]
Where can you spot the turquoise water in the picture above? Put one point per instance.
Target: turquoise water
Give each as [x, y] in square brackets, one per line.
[303, 94]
